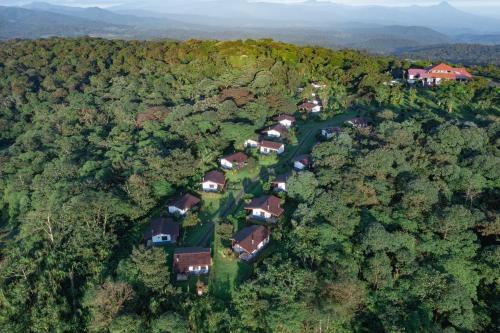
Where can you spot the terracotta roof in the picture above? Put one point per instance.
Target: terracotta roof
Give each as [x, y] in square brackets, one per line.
[283, 178]
[418, 72]
[187, 201]
[450, 76]
[441, 71]
[269, 203]
[308, 106]
[285, 117]
[304, 159]
[463, 72]
[215, 176]
[236, 157]
[442, 67]
[191, 256]
[278, 128]
[248, 238]
[271, 144]
[162, 225]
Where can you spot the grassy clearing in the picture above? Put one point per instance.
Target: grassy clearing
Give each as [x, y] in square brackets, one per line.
[228, 272]
[189, 285]
[211, 205]
[192, 236]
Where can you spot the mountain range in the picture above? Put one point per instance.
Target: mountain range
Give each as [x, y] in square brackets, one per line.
[374, 28]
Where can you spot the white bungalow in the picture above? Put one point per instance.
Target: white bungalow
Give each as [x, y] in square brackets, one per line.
[276, 131]
[269, 147]
[183, 205]
[286, 120]
[251, 143]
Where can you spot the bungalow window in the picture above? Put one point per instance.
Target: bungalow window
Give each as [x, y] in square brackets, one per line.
[212, 186]
[165, 238]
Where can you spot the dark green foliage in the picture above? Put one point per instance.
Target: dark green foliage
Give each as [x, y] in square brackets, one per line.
[395, 229]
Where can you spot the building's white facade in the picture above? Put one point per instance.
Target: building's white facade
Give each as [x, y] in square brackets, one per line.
[161, 238]
[326, 134]
[176, 210]
[251, 143]
[267, 151]
[260, 213]
[226, 164]
[210, 186]
[316, 109]
[280, 186]
[286, 122]
[298, 165]
[198, 269]
[273, 134]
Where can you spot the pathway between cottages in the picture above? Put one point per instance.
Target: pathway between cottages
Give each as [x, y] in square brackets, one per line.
[233, 204]
[205, 240]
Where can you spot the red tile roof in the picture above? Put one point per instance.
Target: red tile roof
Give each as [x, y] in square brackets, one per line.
[271, 144]
[236, 158]
[307, 106]
[278, 128]
[268, 203]
[191, 256]
[187, 201]
[162, 225]
[248, 238]
[463, 72]
[441, 71]
[215, 176]
[285, 117]
[442, 67]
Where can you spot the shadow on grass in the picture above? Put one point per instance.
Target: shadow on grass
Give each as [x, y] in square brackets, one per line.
[235, 273]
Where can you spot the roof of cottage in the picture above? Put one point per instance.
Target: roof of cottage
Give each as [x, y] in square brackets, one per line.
[215, 176]
[187, 201]
[162, 226]
[271, 144]
[250, 237]
[236, 158]
[268, 203]
[191, 256]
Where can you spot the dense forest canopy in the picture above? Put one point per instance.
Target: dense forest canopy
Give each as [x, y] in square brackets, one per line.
[394, 230]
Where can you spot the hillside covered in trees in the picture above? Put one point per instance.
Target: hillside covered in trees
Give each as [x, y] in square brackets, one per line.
[469, 54]
[395, 229]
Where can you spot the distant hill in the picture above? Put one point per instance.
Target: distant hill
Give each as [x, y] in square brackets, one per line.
[466, 54]
[442, 17]
[107, 16]
[491, 39]
[25, 23]
[311, 23]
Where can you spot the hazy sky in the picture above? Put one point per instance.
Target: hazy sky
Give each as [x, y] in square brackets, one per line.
[477, 6]
[107, 3]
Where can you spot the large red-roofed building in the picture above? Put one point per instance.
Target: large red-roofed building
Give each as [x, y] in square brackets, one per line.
[435, 75]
